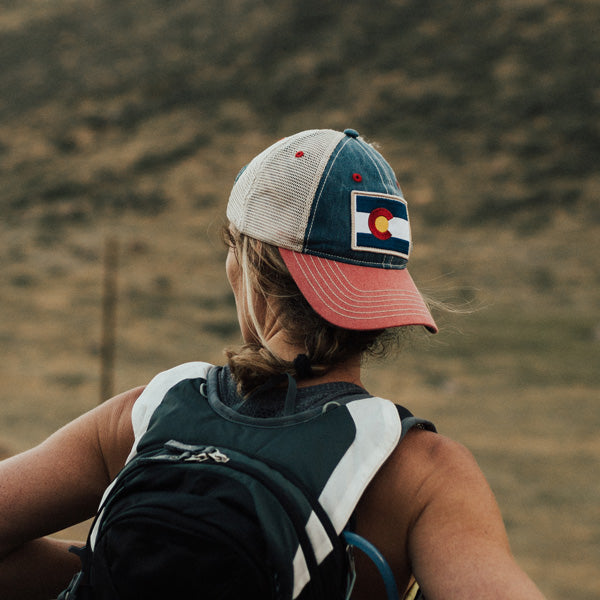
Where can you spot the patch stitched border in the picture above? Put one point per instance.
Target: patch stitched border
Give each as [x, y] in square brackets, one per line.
[354, 233]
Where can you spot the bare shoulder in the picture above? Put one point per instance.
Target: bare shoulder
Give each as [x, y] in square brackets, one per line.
[59, 482]
[440, 489]
[104, 433]
[422, 463]
[428, 451]
[427, 462]
[115, 431]
[393, 501]
[432, 513]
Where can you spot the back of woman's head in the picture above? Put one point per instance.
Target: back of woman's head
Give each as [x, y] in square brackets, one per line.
[266, 282]
[333, 253]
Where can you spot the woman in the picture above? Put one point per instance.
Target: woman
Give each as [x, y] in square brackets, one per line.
[319, 241]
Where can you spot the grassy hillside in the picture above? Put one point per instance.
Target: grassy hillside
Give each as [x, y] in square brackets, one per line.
[130, 120]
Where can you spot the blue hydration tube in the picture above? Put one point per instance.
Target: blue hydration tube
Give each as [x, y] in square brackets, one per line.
[384, 569]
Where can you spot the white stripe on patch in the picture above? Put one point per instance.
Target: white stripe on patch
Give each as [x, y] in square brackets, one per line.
[399, 228]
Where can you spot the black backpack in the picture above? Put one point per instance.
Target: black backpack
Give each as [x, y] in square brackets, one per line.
[201, 522]
[222, 521]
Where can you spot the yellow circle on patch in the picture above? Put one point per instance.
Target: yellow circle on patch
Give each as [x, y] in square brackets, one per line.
[382, 224]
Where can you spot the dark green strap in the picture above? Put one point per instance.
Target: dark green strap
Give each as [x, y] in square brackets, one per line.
[409, 421]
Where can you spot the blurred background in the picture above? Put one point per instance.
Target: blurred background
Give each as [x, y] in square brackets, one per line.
[123, 125]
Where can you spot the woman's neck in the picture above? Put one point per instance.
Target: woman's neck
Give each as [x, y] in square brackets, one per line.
[341, 372]
[348, 370]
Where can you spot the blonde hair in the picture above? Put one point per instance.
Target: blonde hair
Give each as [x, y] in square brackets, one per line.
[264, 275]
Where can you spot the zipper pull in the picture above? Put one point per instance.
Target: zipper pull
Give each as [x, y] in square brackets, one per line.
[208, 453]
[218, 456]
[190, 453]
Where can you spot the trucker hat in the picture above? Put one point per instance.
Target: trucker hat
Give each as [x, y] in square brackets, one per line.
[333, 206]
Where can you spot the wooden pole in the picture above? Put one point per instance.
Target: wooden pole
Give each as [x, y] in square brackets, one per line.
[109, 319]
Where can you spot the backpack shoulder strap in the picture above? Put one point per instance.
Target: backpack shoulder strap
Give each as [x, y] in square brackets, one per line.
[155, 392]
[409, 421]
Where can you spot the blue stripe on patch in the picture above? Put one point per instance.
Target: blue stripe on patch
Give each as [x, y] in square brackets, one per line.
[366, 240]
[366, 204]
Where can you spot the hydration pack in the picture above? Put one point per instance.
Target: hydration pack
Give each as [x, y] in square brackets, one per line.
[215, 505]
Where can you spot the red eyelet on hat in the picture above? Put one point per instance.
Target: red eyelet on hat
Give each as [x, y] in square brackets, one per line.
[357, 177]
[299, 154]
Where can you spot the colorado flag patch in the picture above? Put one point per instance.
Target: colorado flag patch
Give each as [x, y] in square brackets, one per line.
[380, 223]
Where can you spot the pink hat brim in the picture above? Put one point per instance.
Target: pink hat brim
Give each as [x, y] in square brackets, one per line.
[358, 297]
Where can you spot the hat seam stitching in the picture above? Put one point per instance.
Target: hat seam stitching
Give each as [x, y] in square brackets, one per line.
[373, 156]
[338, 278]
[322, 183]
[356, 261]
[353, 311]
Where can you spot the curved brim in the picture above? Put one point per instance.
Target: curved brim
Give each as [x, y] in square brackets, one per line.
[357, 297]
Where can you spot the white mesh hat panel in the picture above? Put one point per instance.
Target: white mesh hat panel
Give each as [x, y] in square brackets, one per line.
[272, 198]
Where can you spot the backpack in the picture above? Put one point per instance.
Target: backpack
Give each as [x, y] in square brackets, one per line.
[216, 506]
